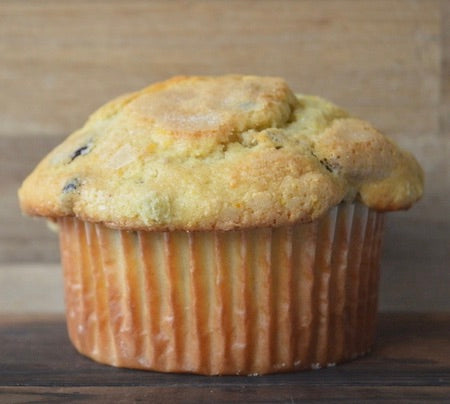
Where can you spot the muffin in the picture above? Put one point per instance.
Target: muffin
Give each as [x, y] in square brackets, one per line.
[221, 225]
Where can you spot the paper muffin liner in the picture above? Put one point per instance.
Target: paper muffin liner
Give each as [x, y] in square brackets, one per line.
[252, 301]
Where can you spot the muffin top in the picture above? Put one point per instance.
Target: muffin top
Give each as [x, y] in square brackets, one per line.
[228, 152]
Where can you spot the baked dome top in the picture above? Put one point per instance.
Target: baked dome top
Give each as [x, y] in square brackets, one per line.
[227, 152]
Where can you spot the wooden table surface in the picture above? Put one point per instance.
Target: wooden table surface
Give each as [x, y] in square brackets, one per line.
[411, 362]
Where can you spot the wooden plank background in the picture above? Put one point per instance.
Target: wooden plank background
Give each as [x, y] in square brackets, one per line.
[387, 61]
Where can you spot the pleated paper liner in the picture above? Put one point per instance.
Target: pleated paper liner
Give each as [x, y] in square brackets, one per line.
[238, 302]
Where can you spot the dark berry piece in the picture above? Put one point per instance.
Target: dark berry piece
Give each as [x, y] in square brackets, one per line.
[71, 185]
[326, 164]
[81, 151]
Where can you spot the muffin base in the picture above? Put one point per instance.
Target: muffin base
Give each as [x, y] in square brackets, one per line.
[253, 301]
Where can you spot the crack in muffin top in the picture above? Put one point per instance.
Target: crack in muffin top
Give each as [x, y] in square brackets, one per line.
[219, 153]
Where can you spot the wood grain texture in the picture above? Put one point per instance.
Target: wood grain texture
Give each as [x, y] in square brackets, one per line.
[31, 289]
[22, 239]
[381, 58]
[445, 70]
[387, 61]
[411, 362]
[253, 393]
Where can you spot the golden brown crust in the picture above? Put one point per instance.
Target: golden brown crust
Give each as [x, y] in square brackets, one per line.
[202, 153]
